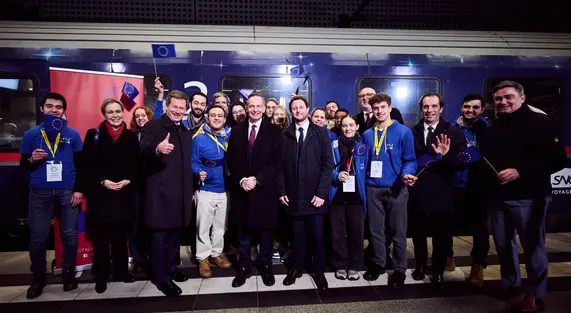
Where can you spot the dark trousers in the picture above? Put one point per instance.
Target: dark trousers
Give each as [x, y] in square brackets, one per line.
[43, 205]
[475, 215]
[309, 230]
[283, 232]
[117, 236]
[139, 241]
[165, 246]
[387, 207]
[347, 229]
[439, 224]
[527, 218]
[266, 240]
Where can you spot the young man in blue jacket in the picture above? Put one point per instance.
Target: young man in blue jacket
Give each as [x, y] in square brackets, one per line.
[208, 164]
[391, 168]
[468, 196]
[50, 152]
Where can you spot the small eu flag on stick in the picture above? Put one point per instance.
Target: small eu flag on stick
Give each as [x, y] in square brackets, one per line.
[128, 94]
[162, 51]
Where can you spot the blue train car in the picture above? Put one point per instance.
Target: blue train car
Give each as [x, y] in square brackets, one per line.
[323, 64]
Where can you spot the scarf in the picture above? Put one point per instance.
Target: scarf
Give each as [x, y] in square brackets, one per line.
[114, 133]
[346, 151]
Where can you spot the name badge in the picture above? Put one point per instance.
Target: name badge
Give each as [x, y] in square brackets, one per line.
[349, 184]
[54, 172]
[376, 169]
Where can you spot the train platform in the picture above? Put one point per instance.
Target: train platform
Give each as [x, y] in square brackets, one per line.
[216, 294]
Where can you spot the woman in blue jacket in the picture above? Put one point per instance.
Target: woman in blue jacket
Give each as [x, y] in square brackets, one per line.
[348, 200]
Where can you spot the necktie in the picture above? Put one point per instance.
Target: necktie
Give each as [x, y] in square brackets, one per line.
[300, 141]
[368, 121]
[430, 136]
[252, 136]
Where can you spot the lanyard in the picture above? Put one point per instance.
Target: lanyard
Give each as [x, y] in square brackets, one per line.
[379, 142]
[48, 143]
[218, 142]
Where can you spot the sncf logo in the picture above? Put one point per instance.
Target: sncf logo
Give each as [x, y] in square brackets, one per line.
[561, 179]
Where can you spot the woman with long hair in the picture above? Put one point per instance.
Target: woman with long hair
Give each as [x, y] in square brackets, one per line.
[109, 166]
[280, 117]
[139, 244]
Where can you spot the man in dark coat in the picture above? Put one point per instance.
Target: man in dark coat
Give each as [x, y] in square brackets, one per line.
[430, 203]
[304, 188]
[168, 198]
[254, 160]
[525, 148]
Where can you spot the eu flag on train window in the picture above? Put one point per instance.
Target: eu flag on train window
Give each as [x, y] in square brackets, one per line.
[164, 51]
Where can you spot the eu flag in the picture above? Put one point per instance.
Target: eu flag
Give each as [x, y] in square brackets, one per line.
[129, 93]
[296, 71]
[164, 51]
[54, 124]
[466, 156]
[427, 160]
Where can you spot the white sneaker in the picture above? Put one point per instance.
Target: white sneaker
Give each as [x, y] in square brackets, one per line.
[353, 275]
[341, 274]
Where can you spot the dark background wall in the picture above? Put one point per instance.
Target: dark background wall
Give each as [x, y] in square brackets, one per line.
[525, 15]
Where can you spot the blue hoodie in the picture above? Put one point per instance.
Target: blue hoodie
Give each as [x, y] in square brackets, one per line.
[205, 149]
[361, 160]
[397, 154]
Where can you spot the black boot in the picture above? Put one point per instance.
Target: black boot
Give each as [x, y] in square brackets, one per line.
[69, 282]
[419, 272]
[37, 287]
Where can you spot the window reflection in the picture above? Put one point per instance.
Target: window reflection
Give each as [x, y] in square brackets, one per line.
[18, 104]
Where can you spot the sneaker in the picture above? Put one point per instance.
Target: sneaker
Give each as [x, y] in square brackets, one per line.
[341, 274]
[204, 269]
[450, 265]
[476, 277]
[276, 255]
[353, 275]
[220, 262]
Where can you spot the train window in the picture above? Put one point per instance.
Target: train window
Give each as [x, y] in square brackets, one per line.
[18, 106]
[405, 92]
[545, 94]
[151, 93]
[279, 87]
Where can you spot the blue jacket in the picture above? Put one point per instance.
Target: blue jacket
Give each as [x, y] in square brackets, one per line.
[361, 160]
[208, 156]
[474, 136]
[397, 155]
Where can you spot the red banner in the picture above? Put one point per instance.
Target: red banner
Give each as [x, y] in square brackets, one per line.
[84, 92]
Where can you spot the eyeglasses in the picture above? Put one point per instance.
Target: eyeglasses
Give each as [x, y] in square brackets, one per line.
[367, 95]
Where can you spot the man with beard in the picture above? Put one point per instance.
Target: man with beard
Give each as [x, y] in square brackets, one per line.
[208, 163]
[468, 195]
[330, 108]
[165, 144]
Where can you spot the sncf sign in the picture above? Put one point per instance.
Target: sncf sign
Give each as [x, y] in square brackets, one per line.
[561, 179]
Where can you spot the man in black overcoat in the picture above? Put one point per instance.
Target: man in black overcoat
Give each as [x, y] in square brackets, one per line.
[254, 159]
[165, 145]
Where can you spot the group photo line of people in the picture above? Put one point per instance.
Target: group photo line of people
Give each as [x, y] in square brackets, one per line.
[310, 187]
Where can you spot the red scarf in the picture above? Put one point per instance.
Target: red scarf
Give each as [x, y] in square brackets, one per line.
[114, 133]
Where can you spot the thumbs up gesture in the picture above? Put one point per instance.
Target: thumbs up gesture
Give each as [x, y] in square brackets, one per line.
[165, 147]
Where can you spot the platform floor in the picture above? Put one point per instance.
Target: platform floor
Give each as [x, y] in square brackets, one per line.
[217, 295]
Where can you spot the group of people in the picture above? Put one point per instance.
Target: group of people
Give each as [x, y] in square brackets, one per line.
[312, 181]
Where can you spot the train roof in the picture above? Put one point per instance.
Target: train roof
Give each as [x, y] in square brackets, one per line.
[139, 37]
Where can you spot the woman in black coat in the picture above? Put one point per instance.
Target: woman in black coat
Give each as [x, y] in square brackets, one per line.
[109, 173]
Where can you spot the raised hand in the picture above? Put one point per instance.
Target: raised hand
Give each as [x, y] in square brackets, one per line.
[38, 154]
[442, 145]
[165, 147]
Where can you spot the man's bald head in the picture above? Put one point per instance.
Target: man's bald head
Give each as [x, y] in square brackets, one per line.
[364, 95]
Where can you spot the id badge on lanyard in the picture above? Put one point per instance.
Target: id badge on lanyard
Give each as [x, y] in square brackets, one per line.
[54, 171]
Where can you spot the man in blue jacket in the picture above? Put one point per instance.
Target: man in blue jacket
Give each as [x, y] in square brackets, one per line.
[50, 152]
[469, 199]
[390, 170]
[208, 164]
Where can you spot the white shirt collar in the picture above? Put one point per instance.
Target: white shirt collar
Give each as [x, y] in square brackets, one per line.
[304, 125]
[258, 123]
[433, 126]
